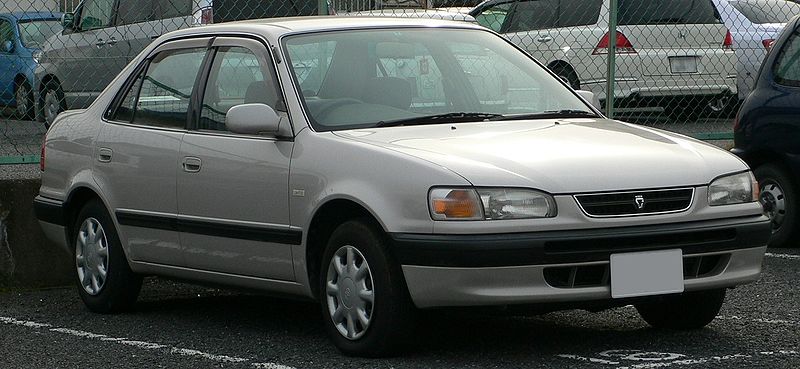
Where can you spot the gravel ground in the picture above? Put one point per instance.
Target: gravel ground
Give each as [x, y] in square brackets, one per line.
[178, 325]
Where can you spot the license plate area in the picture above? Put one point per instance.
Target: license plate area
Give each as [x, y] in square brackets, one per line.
[683, 64]
[646, 273]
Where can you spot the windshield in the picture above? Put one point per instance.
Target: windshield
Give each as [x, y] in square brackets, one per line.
[34, 33]
[366, 78]
[763, 12]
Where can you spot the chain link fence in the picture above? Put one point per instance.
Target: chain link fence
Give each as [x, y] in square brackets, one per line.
[681, 65]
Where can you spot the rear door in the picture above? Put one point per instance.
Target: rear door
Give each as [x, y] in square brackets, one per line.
[233, 189]
[137, 150]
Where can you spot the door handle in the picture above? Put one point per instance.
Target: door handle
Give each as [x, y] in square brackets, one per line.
[191, 164]
[100, 43]
[104, 155]
[544, 39]
[112, 41]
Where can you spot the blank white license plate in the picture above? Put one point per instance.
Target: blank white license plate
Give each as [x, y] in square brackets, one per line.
[683, 64]
[646, 273]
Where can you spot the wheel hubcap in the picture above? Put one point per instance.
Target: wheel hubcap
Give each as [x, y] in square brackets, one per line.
[774, 202]
[349, 292]
[91, 256]
[22, 100]
[52, 106]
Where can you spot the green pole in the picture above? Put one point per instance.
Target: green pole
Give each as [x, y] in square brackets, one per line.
[612, 57]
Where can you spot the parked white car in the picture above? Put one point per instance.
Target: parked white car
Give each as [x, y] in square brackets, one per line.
[754, 24]
[674, 55]
[289, 156]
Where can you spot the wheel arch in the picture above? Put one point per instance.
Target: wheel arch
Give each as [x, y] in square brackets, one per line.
[77, 198]
[327, 217]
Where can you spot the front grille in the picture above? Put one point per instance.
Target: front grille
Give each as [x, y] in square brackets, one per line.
[636, 202]
[598, 275]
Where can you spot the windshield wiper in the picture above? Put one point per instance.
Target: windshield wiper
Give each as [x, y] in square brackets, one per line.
[438, 118]
[549, 114]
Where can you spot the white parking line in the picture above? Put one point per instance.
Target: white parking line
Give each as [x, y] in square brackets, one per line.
[759, 320]
[172, 350]
[636, 359]
[783, 256]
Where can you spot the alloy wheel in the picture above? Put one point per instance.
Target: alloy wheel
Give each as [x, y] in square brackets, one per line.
[774, 201]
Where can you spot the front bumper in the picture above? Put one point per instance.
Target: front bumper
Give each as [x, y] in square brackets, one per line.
[571, 266]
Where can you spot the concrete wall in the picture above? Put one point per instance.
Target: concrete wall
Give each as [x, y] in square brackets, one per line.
[7, 6]
[27, 259]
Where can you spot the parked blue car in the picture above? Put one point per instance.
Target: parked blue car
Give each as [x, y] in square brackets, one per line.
[21, 36]
[767, 135]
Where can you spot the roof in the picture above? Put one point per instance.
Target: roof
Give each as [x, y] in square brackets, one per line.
[26, 16]
[322, 23]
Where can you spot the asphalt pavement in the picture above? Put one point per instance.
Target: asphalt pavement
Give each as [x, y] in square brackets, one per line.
[177, 325]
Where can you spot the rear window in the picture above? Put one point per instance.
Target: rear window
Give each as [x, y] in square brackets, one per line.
[649, 12]
[787, 65]
[761, 12]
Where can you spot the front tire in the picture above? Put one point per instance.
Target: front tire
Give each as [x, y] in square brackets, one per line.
[689, 310]
[54, 103]
[105, 281]
[365, 304]
[779, 198]
[24, 99]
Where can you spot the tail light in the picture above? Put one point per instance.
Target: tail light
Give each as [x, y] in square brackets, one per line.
[727, 43]
[41, 159]
[204, 16]
[768, 43]
[623, 45]
[736, 121]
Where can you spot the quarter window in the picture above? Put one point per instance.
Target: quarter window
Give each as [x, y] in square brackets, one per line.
[96, 14]
[787, 65]
[237, 77]
[164, 91]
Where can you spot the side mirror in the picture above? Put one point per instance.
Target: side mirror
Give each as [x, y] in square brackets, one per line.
[8, 47]
[253, 119]
[590, 97]
[68, 21]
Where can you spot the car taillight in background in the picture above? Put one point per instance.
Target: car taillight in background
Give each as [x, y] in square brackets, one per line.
[727, 43]
[624, 45]
[768, 43]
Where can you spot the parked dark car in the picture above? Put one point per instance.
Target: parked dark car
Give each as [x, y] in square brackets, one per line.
[767, 135]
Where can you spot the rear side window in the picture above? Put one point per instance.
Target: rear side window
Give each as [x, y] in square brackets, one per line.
[6, 33]
[762, 12]
[160, 96]
[649, 12]
[542, 14]
[130, 12]
[174, 8]
[787, 64]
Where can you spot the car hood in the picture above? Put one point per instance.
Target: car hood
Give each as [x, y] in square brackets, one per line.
[559, 156]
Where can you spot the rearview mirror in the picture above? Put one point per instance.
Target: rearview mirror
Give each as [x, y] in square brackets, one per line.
[253, 119]
[8, 47]
[590, 97]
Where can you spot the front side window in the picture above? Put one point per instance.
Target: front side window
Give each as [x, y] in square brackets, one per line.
[163, 93]
[369, 78]
[6, 35]
[787, 64]
[237, 77]
[494, 16]
[96, 14]
[33, 34]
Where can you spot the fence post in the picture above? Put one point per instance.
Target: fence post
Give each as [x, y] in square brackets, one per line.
[612, 57]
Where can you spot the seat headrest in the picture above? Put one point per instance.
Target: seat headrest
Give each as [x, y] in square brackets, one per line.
[391, 91]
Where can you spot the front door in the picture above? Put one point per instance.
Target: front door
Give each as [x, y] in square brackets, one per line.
[233, 202]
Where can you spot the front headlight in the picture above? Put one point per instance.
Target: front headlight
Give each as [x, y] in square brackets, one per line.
[733, 189]
[490, 204]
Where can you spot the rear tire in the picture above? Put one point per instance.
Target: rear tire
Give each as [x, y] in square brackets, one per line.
[105, 281]
[779, 198]
[366, 308]
[689, 310]
[567, 74]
